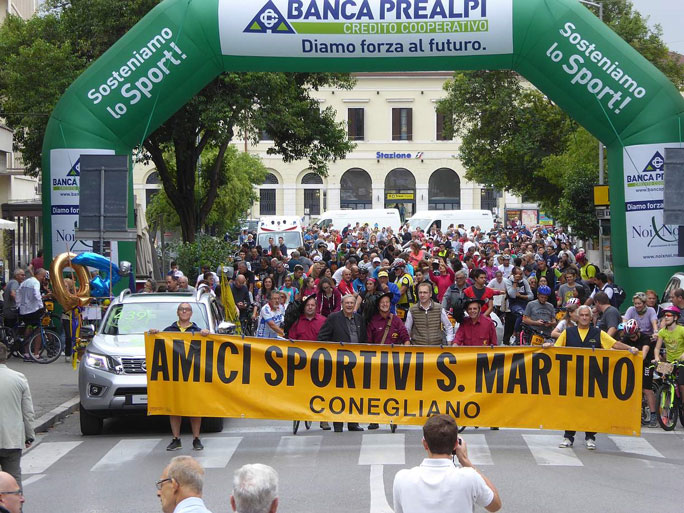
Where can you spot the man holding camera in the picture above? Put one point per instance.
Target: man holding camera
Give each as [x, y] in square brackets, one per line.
[437, 484]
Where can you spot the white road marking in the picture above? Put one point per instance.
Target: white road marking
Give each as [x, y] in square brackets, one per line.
[32, 479]
[38, 460]
[478, 450]
[636, 446]
[126, 451]
[293, 450]
[545, 450]
[378, 499]
[378, 449]
[217, 451]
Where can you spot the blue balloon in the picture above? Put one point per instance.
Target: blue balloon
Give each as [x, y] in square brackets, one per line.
[100, 285]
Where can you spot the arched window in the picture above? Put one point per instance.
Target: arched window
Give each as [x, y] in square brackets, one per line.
[312, 195]
[152, 187]
[444, 190]
[312, 179]
[400, 192]
[356, 190]
[267, 196]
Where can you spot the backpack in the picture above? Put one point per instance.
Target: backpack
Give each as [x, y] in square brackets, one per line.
[596, 268]
[619, 296]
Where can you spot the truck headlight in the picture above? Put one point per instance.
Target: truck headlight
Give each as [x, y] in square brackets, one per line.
[98, 361]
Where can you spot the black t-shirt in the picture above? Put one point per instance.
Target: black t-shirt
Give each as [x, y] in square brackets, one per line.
[639, 343]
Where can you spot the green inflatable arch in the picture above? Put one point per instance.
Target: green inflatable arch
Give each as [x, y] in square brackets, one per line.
[558, 45]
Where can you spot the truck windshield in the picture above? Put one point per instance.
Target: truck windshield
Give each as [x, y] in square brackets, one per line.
[292, 239]
[423, 224]
[133, 318]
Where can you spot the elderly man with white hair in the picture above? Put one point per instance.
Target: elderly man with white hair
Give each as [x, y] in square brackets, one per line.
[255, 489]
[180, 487]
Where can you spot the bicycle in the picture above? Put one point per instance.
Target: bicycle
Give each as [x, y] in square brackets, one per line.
[43, 345]
[668, 399]
[533, 336]
[656, 382]
[295, 425]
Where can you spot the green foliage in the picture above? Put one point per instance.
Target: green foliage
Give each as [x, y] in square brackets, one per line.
[204, 250]
[39, 59]
[238, 175]
[515, 139]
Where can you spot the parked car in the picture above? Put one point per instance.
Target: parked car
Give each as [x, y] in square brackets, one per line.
[676, 282]
[112, 376]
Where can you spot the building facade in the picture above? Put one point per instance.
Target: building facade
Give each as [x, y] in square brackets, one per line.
[402, 156]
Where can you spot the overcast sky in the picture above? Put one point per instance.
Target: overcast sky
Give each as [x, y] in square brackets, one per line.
[670, 15]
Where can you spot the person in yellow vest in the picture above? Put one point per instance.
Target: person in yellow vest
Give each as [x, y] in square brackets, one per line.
[404, 281]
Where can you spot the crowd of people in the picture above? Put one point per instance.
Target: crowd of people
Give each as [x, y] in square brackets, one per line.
[448, 286]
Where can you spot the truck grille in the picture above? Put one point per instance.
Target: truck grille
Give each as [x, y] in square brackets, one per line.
[133, 365]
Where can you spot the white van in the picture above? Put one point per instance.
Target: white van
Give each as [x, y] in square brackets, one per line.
[424, 219]
[338, 219]
[290, 228]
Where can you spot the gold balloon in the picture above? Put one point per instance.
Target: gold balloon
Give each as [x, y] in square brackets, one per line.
[66, 298]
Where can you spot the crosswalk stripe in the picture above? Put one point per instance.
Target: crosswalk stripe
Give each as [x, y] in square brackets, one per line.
[636, 446]
[478, 450]
[38, 460]
[125, 452]
[218, 451]
[545, 450]
[31, 480]
[378, 498]
[382, 449]
[293, 450]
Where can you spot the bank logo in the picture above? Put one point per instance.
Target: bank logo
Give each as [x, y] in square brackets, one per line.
[75, 169]
[269, 19]
[655, 165]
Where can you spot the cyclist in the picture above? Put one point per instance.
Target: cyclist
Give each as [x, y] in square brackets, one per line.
[672, 335]
[540, 313]
[632, 336]
[404, 281]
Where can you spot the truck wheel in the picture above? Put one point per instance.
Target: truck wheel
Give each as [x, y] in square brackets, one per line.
[90, 424]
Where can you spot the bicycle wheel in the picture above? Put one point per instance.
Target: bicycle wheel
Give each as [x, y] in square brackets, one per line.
[666, 407]
[295, 427]
[49, 346]
[307, 424]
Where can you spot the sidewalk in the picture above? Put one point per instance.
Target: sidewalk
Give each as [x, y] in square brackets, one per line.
[54, 389]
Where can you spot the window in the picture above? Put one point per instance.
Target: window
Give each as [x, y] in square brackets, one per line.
[487, 198]
[444, 190]
[267, 197]
[312, 179]
[356, 190]
[355, 124]
[440, 119]
[312, 195]
[402, 124]
[265, 136]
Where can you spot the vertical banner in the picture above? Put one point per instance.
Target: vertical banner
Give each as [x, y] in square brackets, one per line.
[65, 173]
[650, 242]
[522, 387]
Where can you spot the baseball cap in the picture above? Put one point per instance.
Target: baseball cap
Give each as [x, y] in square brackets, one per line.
[377, 259]
[317, 258]
[382, 274]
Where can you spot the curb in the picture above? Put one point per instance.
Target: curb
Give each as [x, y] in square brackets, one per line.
[49, 419]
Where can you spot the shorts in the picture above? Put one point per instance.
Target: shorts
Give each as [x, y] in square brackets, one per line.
[680, 376]
[32, 319]
[647, 383]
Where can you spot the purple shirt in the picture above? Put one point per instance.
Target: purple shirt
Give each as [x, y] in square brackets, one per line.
[645, 320]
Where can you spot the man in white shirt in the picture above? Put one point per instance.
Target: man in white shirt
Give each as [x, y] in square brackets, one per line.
[255, 489]
[437, 484]
[30, 303]
[180, 487]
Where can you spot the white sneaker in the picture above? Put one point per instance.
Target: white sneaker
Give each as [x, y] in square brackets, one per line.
[565, 443]
[591, 444]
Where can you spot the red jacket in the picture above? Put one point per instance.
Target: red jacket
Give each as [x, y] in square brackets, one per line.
[482, 333]
[305, 329]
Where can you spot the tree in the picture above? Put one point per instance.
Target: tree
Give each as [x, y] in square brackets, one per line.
[239, 173]
[75, 33]
[514, 138]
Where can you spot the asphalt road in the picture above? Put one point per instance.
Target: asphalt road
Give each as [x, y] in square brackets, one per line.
[349, 472]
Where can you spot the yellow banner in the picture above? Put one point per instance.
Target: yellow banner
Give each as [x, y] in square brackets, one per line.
[521, 387]
[400, 196]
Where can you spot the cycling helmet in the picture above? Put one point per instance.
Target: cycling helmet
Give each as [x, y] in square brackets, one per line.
[641, 296]
[631, 327]
[398, 262]
[544, 289]
[672, 309]
[580, 256]
[572, 301]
